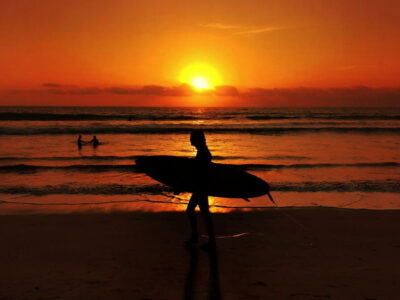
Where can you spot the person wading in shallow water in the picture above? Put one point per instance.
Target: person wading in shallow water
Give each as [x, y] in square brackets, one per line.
[199, 196]
[94, 141]
[79, 142]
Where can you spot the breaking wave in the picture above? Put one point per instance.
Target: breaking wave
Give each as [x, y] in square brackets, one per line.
[91, 168]
[388, 185]
[160, 129]
[54, 114]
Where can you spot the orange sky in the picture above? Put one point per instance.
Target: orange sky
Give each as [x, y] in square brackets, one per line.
[253, 44]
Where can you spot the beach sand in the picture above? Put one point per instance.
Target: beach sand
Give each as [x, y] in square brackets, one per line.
[338, 254]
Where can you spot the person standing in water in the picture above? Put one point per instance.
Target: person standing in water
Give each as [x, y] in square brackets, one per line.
[94, 141]
[79, 142]
[200, 197]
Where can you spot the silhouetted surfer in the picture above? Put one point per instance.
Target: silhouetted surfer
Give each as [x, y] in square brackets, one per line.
[94, 141]
[79, 142]
[200, 197]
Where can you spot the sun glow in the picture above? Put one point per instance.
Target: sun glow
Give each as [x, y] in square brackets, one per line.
[200, 83]
[201, 76]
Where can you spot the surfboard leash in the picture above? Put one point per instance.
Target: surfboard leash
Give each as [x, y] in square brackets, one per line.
[306, 230]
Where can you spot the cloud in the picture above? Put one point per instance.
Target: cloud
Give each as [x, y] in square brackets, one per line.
[241, 30]
[226, 90]
[69, 91]
[57, 85]
[219, 26]
[258, 30]
[346, 96]
[153, 90]
[301, 96]
[150, 90]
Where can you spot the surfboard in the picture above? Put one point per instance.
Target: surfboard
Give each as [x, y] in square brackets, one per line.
[186, 175]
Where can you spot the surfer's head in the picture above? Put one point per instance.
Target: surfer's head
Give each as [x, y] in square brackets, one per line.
[197, 138]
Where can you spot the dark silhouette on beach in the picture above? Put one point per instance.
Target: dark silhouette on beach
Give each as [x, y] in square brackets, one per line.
[94, 141]
[79, 142]
[199, 196]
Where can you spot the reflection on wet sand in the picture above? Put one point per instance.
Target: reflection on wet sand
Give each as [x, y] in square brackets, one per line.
[213, 290]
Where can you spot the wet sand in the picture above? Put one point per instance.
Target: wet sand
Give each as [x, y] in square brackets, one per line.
[338, 254]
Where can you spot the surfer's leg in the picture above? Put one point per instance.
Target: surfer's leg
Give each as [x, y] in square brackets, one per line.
[205, 213]
[190, 210]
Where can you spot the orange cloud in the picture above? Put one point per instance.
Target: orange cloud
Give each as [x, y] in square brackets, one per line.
[56, 85]
[182, 90]
[228, 95]
[241, 30]
[303, 96]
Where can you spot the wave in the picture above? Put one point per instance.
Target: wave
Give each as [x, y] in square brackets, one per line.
[23, 168]
[158, 129]
[133, 157]
[104, 189]
[112, 158]
[349, 117]
[318, 165]
[389, 186]
[183, 115]
[68, 158]
[98, 168]
[12, 116]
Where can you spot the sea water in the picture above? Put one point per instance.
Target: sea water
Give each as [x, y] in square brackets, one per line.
[337, 157]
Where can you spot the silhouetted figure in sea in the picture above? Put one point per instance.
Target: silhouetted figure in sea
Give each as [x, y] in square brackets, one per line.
[79, 142]
[199, 196]
[94, 141]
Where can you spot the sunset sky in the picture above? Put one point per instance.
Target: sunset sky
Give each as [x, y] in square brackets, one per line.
[246, 53]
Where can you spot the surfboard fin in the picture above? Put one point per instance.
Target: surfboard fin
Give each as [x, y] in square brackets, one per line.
[270, 198]
[245, 199]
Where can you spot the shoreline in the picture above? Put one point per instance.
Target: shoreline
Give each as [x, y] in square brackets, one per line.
[327, 253]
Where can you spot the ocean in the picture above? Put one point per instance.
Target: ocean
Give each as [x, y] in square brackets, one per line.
[335, 157]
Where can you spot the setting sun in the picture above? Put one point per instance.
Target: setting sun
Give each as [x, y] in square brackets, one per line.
[200, 83]
[201, 76]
